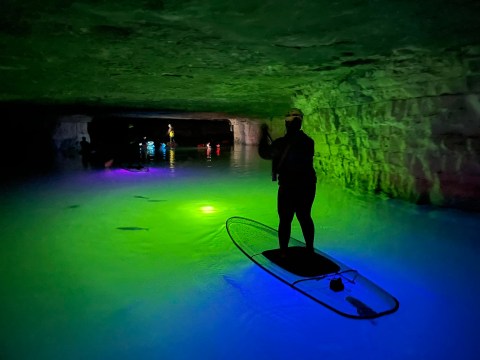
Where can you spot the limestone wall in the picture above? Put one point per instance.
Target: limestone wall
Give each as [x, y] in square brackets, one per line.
[245, 131]
[69, 132]
[409, 130]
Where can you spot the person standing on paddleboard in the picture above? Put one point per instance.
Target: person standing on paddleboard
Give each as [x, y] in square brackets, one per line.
[292, 166]
[171, 135]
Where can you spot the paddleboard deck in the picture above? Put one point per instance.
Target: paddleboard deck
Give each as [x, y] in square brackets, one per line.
[318, 276]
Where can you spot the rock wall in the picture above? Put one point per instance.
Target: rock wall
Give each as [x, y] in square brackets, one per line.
[245, 131]
[409, 130]
[68, 134]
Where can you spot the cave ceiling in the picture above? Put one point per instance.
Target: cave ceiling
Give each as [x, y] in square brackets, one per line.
[240, 57]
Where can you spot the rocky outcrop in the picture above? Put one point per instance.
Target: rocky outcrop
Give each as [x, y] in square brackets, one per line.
[409, 130]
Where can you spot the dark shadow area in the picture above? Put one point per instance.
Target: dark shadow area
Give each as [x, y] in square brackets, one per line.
[302, 263]
[27, 147]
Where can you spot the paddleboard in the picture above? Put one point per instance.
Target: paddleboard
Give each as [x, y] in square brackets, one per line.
[318, 276]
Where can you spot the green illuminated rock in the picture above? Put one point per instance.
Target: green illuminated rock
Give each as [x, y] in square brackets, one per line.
[415, 137]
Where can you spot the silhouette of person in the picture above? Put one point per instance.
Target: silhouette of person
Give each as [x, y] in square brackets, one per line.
[85, 152]
[144, 149]
[292, 165]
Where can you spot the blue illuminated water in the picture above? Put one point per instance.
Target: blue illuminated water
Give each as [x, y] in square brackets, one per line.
[170, 284]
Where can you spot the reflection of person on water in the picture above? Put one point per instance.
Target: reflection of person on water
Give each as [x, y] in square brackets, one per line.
[292, 163]
[171, 134]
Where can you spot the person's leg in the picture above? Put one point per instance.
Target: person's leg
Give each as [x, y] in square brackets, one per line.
[286, 212]
[304, 209]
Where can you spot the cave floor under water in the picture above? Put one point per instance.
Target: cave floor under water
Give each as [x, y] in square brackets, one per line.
[116, 264]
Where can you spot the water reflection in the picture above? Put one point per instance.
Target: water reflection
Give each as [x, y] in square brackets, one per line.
[243, 158]
[147, 153]
[194, 155]
[171, 158]
[163, 151]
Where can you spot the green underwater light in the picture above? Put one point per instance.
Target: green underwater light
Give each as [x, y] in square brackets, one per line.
[207, 209]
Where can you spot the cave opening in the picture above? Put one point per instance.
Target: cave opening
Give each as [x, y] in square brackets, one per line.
[121, 138]
[188, 132]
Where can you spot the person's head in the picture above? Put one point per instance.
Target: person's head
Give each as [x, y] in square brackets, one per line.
[293, 120]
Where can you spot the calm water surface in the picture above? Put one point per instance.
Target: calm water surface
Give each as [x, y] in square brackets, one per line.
[114, 264]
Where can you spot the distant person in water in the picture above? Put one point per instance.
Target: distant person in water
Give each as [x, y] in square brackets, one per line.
[171, 134]
[85, 152]
[292, 165]
[144, 150]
